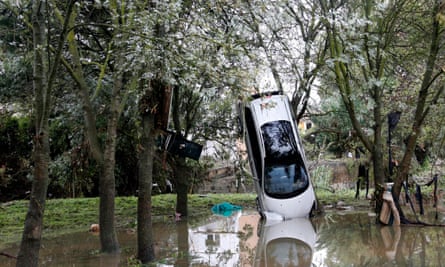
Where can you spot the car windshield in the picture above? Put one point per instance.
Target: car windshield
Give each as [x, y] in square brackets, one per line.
[284, 173]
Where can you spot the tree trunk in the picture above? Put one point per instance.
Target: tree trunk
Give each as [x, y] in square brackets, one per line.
[77, 74]
[104, 157]
[182, 187]
[108, 236]
[106, 161]
[379, 169]
[32, 233]
[107, 187]
[377, 151]
[180, 172]
[145, 173]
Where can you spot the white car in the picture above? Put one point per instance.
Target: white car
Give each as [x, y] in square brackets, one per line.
[276, 158]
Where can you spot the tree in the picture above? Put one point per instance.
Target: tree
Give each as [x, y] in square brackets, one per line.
[103, 157]
[291, 43]
[151, 107]
[44, 73]
[185, 52]
[112, 52]
[430, 90]
[145, 174]
[364, 60]
[16, 95]
[332, 132]
[204, 90]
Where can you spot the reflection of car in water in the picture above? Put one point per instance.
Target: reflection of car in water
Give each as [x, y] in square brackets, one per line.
[285, 243]
[276, 157]
[244, 239]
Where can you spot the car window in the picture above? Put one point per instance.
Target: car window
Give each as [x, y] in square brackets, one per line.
[279, 142]
[284, 172]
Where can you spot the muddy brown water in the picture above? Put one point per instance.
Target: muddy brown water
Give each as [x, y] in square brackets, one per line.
[337, 238]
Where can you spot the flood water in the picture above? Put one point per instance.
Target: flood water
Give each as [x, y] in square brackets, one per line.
[337, 238]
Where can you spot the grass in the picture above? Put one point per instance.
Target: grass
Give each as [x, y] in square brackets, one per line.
[327, 197]
[73, 215]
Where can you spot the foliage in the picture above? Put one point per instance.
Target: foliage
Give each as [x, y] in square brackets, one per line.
[73, 173]
[71, 170]
[332, 130]
[16, 79]
[198, 171]
[15, 147]
[15, 60]
[287, 41]
[322, 177]
[346, 197]
[374, 61]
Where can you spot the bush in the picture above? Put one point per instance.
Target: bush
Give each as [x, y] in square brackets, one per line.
[16, 147]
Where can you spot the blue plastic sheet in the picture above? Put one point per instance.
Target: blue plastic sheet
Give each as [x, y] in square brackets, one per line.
[225, 209]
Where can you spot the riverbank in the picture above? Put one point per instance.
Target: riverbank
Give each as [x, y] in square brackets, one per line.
[73, 215]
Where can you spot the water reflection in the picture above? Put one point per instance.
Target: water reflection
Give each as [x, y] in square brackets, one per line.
[77, 249]
[355, 239]
[217, 242]
[391, 237]
[285, 243]
[242, 239]
[336, 239]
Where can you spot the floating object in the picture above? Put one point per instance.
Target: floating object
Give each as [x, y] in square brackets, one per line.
[389, 214]
[225, 209]
[95, 228]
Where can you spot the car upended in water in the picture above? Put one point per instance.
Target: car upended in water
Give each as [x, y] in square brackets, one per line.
[276, 157]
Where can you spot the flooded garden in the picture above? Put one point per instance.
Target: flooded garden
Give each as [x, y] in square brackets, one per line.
[346, 237]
